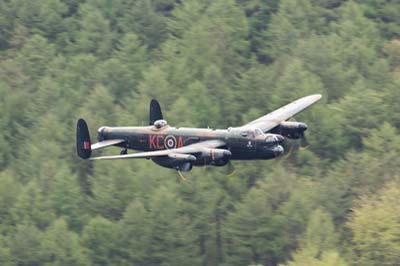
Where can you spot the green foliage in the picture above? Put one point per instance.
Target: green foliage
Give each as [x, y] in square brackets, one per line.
[307, 257]
[45, 18]
[6, 258]
[319, 243]
[141, 17]
[320, 232]
[25, 245]
[384, 14]
[375, 226]
[34, 56]
[210, 63]
[99, 238]
[267, 222]
[94, 35]
[363, 118]
[9, 190]
[32, 207]
[61, 247]
[292, 22]
[148, 235]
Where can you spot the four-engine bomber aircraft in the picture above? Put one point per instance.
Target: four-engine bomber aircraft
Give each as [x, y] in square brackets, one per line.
[181, 148]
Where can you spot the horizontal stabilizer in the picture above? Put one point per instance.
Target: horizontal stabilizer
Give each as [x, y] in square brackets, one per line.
[106, 143]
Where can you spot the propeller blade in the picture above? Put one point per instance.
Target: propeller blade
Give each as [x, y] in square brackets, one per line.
[182, 176]
[231, 169]
[303, 142]
[289, 152]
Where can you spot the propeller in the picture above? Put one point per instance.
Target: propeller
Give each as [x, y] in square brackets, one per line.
[303, 140]
[289, 152]
[304, 144]
[231, 169]
[182, 176]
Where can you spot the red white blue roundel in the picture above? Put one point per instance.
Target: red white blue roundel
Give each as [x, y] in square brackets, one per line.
[170, 142]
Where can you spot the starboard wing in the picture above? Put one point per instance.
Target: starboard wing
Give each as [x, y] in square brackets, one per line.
[271, 120]
[190, 149]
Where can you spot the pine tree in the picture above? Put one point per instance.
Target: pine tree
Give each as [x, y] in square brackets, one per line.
[375, 227]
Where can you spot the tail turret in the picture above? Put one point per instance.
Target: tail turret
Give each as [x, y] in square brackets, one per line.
[83, 144]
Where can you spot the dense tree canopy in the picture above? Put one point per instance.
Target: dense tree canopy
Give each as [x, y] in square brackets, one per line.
[210, 63]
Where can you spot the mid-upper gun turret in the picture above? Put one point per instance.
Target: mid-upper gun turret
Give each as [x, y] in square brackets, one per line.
[160, 124]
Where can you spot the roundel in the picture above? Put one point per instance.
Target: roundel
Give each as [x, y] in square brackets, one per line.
[170, 142]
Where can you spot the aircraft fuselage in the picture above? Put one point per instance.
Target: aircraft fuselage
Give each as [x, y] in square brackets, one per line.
[150, 138]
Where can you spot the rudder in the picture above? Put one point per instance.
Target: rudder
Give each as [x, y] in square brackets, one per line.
[83, 140]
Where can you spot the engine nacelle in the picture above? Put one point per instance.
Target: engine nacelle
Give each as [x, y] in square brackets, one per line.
[220, 157]
[291, 130]
[217, 154]
[216, 157]
[184, 162]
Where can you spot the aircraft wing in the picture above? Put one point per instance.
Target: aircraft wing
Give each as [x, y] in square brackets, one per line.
[105, 143]
[178, 152]
[271, 120]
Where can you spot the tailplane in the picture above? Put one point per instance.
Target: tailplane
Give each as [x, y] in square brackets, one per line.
[83, 145]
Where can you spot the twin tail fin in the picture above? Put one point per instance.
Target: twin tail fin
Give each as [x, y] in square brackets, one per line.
[83, 144]
[155, 112]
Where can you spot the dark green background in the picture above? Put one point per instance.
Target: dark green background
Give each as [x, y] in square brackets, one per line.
[210, 63]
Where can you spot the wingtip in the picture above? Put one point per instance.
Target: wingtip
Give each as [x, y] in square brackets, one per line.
[315, 97]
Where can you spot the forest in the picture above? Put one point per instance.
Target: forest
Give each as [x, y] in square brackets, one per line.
[210, 63]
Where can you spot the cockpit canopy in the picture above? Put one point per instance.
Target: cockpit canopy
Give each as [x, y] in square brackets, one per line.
[160, 123]
[251, 133]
